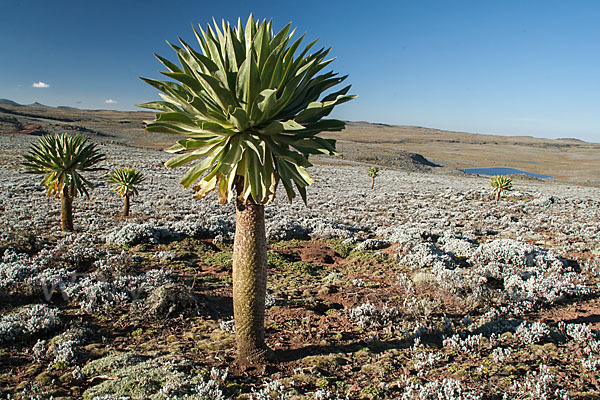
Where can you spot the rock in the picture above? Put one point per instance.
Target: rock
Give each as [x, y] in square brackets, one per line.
[170, 300]
[372, 244]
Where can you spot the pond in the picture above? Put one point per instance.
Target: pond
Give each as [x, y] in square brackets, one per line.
[492, 171]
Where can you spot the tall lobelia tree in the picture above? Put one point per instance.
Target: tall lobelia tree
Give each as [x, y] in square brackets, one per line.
[62, 159]
[250, 109]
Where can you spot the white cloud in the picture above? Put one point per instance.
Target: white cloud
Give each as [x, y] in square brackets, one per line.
[110, 101]
[40, 84]
[527, 119]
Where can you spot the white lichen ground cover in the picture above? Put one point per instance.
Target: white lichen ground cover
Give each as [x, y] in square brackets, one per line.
[436, 296]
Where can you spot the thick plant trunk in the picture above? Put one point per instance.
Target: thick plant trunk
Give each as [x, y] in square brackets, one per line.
[250, 282]
[372, 182]
[126, 205]
[497, 195]
[66, 211]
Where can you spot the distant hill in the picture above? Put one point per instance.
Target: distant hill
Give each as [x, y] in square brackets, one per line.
[6, 102]
[570, 139]
[36, 104]
[410, 148]
[389, 145]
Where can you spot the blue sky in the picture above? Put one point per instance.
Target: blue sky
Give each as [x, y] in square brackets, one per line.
[502, 67]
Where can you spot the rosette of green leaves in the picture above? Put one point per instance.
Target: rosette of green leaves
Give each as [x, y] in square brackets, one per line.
[62, 159]
[250, 109]
[501, 183]
[126, 180]
[372, 171]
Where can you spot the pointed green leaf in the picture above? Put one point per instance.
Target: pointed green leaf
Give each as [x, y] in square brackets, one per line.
[172, 67]
[205, 187]
[194, 173]
[232, 154]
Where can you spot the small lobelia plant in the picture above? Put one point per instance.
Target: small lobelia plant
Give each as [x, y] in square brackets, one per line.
[62, 159]
[372, 171]
[126, 181]
[501, 184]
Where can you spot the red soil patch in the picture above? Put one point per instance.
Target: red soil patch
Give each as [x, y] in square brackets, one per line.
[314, 251]
[581, 312]
[28, 129]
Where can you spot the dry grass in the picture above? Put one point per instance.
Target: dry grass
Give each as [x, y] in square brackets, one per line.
[565, 159]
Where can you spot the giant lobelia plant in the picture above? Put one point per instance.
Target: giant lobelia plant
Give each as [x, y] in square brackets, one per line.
[125, 181]
[501, 184]
[250, 109]
[373, 171]
[62, 159]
